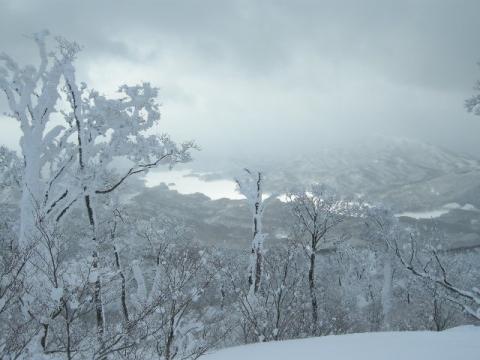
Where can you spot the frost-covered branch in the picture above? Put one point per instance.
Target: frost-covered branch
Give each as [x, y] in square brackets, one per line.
[471, 298]
[424, 263]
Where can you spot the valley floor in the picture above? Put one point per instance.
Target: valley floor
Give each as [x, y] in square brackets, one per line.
[461, 343]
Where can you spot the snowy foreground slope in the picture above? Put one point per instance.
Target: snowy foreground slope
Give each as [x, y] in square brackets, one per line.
[462, 343]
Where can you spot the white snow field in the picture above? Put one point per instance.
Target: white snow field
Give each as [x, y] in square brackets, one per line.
[461, 343]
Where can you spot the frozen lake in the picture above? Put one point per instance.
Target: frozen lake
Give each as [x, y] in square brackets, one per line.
[436, 213]
[185, 183]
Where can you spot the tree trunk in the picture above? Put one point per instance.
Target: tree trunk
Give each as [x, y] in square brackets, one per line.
[387, 292]
[43, 339]
[69, 340]
[124, 286]
[122, 276]
[31, 187]
[255, 275]
[311, 285]
[258, 269]
[97, 292]
[170, 336]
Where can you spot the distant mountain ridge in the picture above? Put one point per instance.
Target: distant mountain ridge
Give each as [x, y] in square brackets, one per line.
[380, 168]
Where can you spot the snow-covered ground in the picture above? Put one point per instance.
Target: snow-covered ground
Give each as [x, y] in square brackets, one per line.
[461, 343]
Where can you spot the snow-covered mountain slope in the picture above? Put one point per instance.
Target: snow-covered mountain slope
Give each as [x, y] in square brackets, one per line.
[458, 343]
[394, 170]
[406, 174]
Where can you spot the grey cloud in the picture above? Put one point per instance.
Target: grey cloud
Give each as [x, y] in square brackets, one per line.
[304, 72]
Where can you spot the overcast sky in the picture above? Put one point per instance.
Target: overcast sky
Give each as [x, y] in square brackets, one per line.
[280, 74]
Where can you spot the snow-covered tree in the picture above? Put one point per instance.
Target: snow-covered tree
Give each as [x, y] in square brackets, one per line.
[317, 211]
[382, 224]
[473, 104]
[427, 264]
[71, 137]
[172, 280]
[277, 312]
[16, 328]
[32, 94]
[251, 186]
[424, 261]
[10, 169]
[107, 129]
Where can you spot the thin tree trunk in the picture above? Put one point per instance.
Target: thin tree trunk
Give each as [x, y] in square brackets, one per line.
[253, 193]
[31, 188]
[387, 292]
[97, 292]
[311, 284]
[168, 345]
[67, 325]
[124, 286]
[257, 246]
[279, 301]
[258, 269]
[43, 339]
[253, 261]
[122, 275]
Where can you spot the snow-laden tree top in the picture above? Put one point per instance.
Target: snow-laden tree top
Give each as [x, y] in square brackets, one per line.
[72, 134]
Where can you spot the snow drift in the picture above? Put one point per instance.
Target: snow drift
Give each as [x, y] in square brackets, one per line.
[457, 343]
